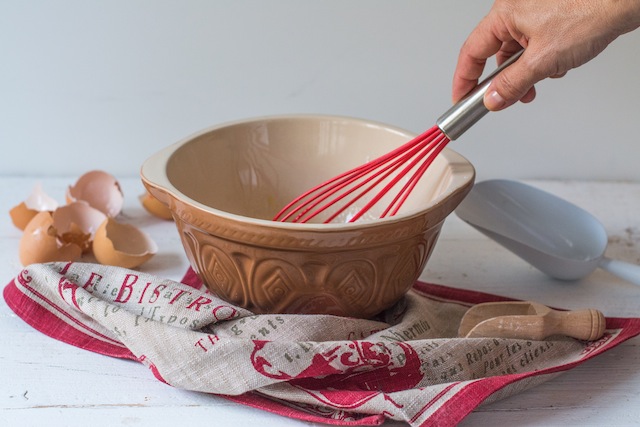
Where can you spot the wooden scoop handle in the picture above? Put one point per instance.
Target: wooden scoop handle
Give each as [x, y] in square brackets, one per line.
[588, 324]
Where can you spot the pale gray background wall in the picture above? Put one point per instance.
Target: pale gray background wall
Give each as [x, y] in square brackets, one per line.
[104, 84]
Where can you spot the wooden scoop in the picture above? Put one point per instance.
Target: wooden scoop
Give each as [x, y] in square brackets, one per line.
[530, 320]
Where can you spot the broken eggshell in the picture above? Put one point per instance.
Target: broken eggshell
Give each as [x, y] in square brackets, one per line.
[122, 245]
[155, 207]
[40, 243]
[77, 223]
[38, 201]
[100, 190]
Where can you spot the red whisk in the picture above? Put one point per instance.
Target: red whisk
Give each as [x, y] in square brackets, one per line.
[334, 197]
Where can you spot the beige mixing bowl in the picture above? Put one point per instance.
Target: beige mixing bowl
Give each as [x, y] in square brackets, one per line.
[224, 184]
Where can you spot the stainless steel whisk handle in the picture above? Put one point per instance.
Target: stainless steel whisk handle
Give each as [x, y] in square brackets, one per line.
[466, 112]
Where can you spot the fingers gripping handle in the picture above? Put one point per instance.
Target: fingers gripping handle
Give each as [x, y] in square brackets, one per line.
[466, 112]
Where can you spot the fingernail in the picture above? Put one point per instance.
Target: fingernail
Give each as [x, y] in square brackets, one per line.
[493, 101]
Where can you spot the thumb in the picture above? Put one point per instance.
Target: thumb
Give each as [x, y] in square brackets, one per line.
[509, 86]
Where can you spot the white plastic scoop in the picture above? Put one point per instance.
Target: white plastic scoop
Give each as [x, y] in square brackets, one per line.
[555, 236]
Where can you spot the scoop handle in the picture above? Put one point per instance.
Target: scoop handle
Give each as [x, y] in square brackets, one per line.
[587, 324]
[466, 112]
[624, 270]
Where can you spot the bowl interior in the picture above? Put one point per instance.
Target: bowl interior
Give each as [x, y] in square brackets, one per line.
[256, 167]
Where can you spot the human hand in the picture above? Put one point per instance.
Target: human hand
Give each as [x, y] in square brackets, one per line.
[557, 35]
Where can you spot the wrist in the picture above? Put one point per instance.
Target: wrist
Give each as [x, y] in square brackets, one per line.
[625, 14]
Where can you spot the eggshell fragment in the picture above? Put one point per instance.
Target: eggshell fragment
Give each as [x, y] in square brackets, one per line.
[155, 207]
[38, 201]
[77, 223]
[122, 245]
[100, 190]
[21, 215]
[39, 242]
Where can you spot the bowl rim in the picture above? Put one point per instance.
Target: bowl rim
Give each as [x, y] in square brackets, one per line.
[153, 173]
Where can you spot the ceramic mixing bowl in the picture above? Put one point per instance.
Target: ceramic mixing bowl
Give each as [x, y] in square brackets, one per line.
[224, 184]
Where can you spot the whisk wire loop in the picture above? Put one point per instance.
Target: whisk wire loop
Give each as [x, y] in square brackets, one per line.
[435, 148]
[362, 180]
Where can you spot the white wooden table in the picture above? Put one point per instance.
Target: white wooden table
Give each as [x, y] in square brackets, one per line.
[46, 382]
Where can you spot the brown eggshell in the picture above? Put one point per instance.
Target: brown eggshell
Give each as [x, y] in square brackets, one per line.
[155, 207]
[100, 190]
[39, 242]
[21, 215]
[77, 223]
[122, 245]
[38, 201]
